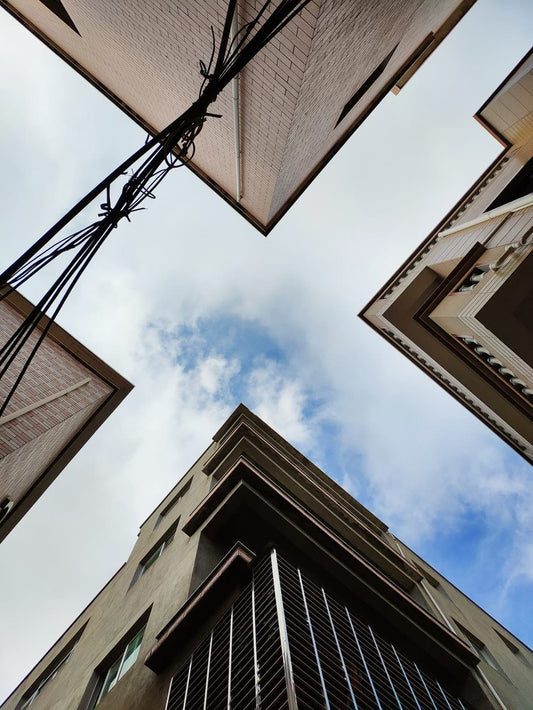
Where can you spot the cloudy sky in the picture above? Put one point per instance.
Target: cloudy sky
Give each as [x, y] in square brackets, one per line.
[200, 312]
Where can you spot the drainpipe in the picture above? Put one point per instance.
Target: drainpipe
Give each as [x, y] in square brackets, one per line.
[236, 123]
[477, 670]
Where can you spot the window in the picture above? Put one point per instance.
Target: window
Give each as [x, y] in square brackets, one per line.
[120, 665]
[5, 507]
[520, 186]
[183, 490]
[155, 553]
[365, 86]
[51, 672]
[479, 647]
[57, 7]
[513, 648]
[426, 574]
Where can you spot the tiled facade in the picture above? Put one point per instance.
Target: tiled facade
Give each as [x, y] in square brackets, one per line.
[145, 56]
[476, 342]
[356, 599]
[63, 397]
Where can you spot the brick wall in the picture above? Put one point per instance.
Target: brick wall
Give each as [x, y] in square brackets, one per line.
[146, 54]
[31, 441]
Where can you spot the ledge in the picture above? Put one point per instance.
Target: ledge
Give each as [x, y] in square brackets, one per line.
[234, 566]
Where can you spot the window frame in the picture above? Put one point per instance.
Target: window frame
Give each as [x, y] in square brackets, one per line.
[179, 495]
[479, 648]
[94, 691]
[365, 86]
[121, 658]
[156, 551]
[51, 671]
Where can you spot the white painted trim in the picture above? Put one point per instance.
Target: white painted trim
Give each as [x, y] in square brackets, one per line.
[41, 402]
[521, 204]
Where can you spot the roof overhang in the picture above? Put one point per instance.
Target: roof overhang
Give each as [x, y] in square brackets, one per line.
[296, 103]
[119, 388]
[246, 504]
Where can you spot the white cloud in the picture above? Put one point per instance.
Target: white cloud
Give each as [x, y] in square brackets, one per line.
[281, 402]
[418, 459]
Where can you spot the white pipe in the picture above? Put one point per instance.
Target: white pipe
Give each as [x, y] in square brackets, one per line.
[491, 688]
[477, 669]
[236, 112]
[521, 203]
[45, 400]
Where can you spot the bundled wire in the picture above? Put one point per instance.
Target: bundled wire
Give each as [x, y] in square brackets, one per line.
[173, 147]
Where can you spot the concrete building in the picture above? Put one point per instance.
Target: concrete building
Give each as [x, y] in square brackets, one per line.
[65, 395]
[289, 111]
[259, 582]
[461, 306]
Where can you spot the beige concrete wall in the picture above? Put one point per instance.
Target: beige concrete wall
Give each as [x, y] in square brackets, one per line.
[162, 589]
[513, 678]
[159, 593]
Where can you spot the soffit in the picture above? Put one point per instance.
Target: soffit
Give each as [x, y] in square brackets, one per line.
[144, 54]
[510, 111]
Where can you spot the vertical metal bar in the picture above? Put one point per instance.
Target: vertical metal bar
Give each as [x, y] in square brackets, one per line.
[187, 684]
[364, 660]
[490, 687]
[385, 668]
[310, 625]
[168, 693]
[349, 685]
[256, 661]
[406, 678]
[443, 695]
[425, 686]
[230, 657]
[207, 670]
[284, 637]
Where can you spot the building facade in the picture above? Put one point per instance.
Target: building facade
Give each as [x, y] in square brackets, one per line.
[65, 395]
[461, 307]
[291, 108]
[259, 582]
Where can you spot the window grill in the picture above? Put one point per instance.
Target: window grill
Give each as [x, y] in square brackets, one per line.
[473, 278]
[286, 643]
[516, 383]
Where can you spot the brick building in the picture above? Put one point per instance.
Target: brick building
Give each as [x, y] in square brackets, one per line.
[461, 306]
[65, 395]
[259, 582]
[291, 108]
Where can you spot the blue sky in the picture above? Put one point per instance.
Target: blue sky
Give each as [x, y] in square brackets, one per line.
[201, 312]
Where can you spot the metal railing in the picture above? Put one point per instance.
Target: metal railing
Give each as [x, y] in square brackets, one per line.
[288, 643]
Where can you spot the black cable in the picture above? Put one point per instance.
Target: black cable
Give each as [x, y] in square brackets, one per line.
[171, 148]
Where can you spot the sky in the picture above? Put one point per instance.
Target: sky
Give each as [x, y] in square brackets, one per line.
[201, 312]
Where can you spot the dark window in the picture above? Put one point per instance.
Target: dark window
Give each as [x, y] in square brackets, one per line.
[53, 669]
[155, 552]
[166, 510]
[510, 645]
[57, 7]
[478, 646]
[426, 574]
[520, 186]
[120, 664]
[365, 86]
[5, 507]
